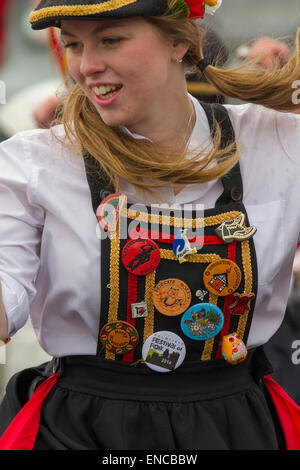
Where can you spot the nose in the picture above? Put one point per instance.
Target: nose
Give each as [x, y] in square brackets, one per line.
[91, 62]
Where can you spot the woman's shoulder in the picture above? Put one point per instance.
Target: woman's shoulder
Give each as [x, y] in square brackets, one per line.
[47, 148]
[261, 118]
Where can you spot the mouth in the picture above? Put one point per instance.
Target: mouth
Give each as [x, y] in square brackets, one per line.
[105, 92]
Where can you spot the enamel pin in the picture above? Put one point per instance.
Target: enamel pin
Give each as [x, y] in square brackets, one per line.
[201, 294]
[241, 303]
[139, 310]
[182, 247]
[235, 230]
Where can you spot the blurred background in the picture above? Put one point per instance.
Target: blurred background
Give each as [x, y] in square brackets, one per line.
[32, 78]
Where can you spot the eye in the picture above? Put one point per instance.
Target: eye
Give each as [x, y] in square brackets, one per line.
[111, 41]
[71, 45]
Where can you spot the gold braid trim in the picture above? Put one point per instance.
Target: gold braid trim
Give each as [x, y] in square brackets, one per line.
[114, 285]
[194, 258]
[149, 320]
[209, 343]
[78, 10]
[246, 259]
[178, 221]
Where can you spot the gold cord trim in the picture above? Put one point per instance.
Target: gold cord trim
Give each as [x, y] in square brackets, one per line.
[194, 258]
[246, 260]
[178, 221]
[78, 10]
[209, 343]
[114, 285]
[149, 320]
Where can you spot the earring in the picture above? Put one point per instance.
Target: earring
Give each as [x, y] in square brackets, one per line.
[178, 61]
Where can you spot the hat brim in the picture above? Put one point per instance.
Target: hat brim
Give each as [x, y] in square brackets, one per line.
[51, 12]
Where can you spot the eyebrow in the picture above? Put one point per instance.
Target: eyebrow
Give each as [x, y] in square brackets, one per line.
[104, 26]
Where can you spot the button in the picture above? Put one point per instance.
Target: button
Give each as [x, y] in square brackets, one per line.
[139, 310]
[241, 303]
[163, 351]
[235, 229]
[119, 337]
[236, 194]
[202, 321]
[108, 211]
[141, 256]
[182, 247]
[172, 297]
[222, 277]
[233, 349]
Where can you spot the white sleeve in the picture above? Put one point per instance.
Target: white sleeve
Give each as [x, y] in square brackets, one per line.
[21, 224]
[270, 140]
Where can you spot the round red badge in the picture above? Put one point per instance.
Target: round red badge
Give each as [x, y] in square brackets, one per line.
[141, 256]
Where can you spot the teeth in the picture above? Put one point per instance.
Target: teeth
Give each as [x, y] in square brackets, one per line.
[105, 91]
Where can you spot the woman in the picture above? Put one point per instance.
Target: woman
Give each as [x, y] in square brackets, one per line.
[189, 294]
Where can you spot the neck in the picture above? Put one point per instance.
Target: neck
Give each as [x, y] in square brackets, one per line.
[171, 128]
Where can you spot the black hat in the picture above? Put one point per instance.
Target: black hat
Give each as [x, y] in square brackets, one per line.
[51, 12]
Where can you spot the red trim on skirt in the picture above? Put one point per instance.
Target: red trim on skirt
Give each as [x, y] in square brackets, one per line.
[22, 431]
[288, 413]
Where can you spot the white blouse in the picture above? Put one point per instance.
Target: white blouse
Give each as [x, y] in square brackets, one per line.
[50, 250]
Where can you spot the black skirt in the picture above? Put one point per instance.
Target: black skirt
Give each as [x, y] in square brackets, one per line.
[114, 406]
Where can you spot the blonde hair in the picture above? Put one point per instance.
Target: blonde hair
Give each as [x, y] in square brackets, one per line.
[136, 161]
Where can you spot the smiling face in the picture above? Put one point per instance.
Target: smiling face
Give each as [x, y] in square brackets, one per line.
[125, 67]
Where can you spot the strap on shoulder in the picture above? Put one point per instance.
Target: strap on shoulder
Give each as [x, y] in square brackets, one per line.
[232, 182]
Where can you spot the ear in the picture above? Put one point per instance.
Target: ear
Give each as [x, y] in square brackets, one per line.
[179, 49]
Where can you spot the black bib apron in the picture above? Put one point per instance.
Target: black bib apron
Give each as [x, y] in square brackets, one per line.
[114, 400]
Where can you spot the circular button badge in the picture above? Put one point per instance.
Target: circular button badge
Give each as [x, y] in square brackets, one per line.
[202, 321]
[222, 277]
[163, 351]
[141, 256]
[119, 337]
[172, 297]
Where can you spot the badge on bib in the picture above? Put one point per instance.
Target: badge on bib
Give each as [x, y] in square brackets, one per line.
[235, 229]
[141, 256]
[233, 349]
[139, 310]
[163, 351]
[182, 247]
[172, 297]
[202, 321]
[119, 337]
[222, 277]
[241, 303]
